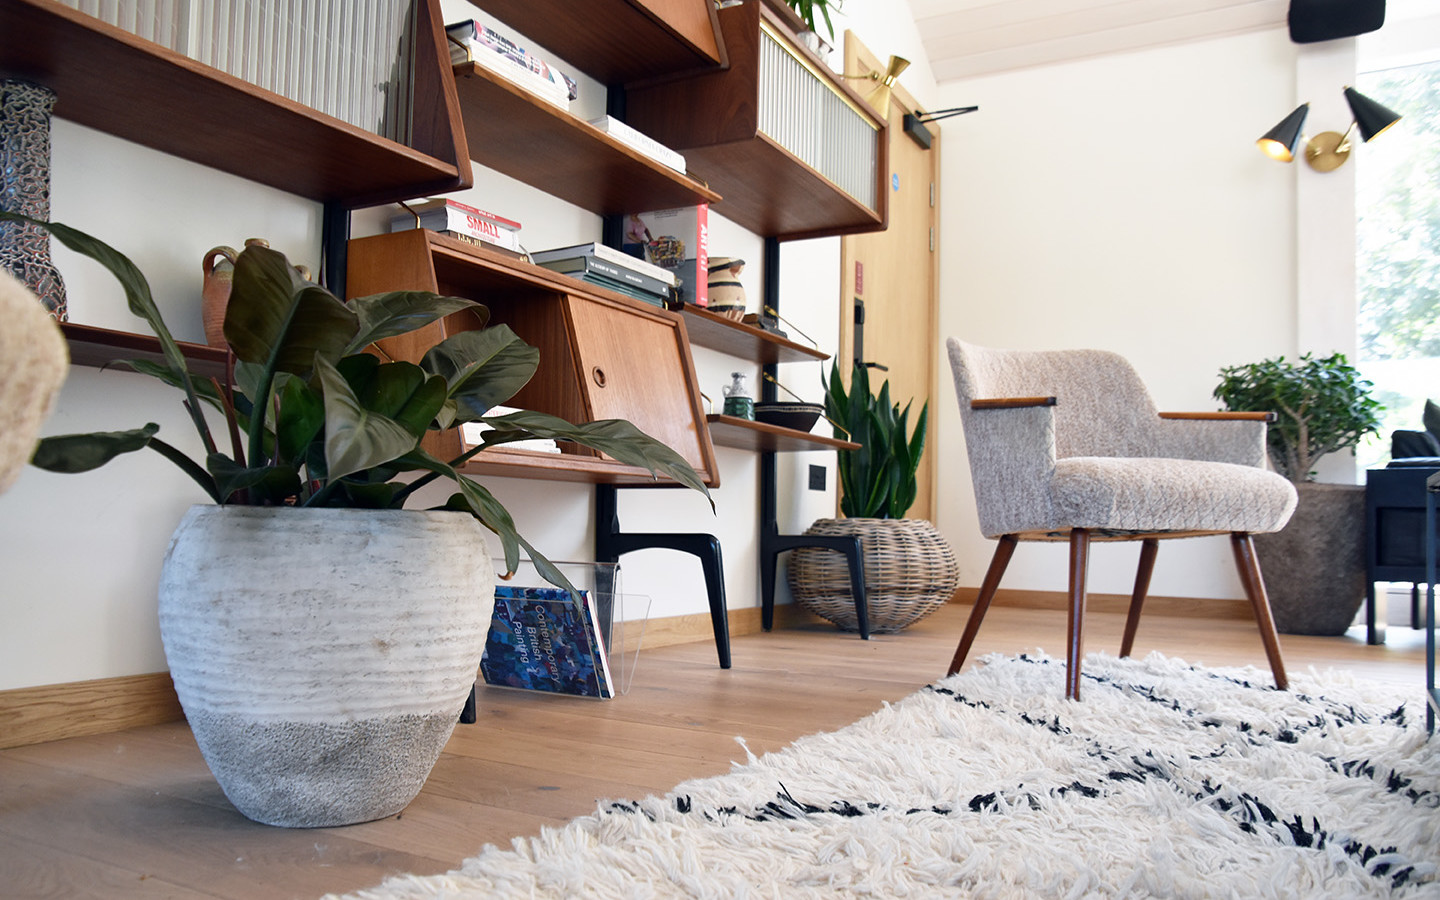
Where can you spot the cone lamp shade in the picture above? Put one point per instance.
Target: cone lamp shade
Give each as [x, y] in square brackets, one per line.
[1370, 117]
[879, 96]
[1280, 141]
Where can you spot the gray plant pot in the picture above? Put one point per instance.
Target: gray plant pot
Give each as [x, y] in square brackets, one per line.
[322, 656]
[1314, 568]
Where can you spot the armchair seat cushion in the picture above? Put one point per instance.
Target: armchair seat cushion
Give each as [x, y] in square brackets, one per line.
[1157, 494]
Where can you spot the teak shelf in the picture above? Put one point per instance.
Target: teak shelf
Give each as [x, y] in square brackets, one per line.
[714, 119]
[103, 347]
[744, 434]
[602, 355]
[510, 130]
[108, 79]
[714, 331]
[620, 41]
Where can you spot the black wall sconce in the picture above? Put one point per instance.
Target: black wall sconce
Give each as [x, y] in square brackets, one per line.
[1328, 150]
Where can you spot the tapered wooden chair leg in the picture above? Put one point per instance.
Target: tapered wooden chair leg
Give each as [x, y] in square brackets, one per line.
[1148, 548]
[1249, 565]
[1003, 551]
[1074, 649]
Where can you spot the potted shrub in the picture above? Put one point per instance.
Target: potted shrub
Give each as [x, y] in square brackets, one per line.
[910, 571]
[322, 638]
[1314, 568]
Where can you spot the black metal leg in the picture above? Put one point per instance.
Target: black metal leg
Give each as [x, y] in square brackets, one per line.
[772, 545]
[611, 544]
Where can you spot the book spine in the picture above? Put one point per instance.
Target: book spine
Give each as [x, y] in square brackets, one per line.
[590, 265]
[488, 44]
[621, 258]
[515, 252]
[640, 142]
[478, 226]
[702, 254]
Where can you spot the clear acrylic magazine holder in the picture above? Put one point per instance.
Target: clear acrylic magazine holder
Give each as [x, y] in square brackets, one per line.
[621, 616]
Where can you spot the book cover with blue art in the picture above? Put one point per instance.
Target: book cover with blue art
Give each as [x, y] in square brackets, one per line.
[543, 639]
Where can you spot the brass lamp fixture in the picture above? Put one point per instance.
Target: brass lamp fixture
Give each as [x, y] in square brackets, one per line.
[879, 96]
[1328, 150]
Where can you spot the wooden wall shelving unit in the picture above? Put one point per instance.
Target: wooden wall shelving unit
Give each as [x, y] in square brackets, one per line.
[620, 41]
[512, 131]
[604, 355]
[108, 79]
[103, 347]
[743, 434]
[714, 331]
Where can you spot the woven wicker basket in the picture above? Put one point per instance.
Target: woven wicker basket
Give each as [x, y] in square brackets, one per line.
[909, 572]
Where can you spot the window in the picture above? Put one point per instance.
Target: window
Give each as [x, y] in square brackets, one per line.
[1398, 252]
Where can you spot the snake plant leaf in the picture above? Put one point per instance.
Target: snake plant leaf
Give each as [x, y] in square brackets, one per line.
[618, 438]
[400, 391]
[271, 484]
[482, 368]
[356, 438]
[383, 316]
[278, 321]
[70, 453]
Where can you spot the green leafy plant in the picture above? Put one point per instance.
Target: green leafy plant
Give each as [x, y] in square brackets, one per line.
[312, 420]
[877, 480]
[806, 10]
[1322, 405]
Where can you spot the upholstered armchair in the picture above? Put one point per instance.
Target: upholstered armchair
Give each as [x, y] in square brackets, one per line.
[1066, 445]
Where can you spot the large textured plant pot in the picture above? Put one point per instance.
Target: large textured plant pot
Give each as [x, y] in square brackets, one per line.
[910, 571]
[323, 656]
[1314, 568]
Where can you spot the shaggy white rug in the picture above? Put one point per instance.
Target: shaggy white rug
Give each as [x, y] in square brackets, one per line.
[1166, 781]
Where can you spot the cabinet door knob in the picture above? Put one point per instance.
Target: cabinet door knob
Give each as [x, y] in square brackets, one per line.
[598, 375]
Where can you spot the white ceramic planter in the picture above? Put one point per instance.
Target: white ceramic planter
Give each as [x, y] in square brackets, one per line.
[323, 656]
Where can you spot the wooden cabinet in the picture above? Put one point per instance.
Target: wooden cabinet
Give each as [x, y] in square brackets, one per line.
[603, 355]
[111, 80]
[794, 150]
[620, 41]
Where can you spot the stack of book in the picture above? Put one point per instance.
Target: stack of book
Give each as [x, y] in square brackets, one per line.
[473, 41]
[610, 268]
[459, 220]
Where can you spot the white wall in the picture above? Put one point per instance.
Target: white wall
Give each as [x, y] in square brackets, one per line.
[1120, 203]
[80, 554]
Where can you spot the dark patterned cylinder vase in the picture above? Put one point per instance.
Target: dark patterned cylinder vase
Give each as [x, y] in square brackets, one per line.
[25, 189]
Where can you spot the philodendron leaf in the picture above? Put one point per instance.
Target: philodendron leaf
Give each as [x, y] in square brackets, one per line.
[70, 453]
[271, 483]
[482, 368]
[356, 438]
[401, 312]
[400, 391]
[474, 499]
[302, 415]
[617, 438]
[275, 320]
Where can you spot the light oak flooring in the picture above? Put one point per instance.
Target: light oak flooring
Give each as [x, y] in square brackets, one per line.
[137, 814]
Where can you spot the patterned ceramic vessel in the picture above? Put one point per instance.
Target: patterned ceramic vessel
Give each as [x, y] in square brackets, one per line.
[25, 189]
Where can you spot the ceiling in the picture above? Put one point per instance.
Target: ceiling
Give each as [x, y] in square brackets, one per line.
[966, 38]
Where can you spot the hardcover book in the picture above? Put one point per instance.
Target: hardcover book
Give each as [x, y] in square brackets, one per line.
[446, 215]
[609, 254]
[544, 639]
[472, 40]
[581, 266]
[678, 240]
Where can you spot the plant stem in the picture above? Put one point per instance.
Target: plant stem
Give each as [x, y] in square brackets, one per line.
[404, 493]
[188, 466]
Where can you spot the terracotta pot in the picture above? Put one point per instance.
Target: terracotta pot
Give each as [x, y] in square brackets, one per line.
[1314, 568]
[323, 656]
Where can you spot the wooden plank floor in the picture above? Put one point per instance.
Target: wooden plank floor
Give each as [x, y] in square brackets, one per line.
[137, 814]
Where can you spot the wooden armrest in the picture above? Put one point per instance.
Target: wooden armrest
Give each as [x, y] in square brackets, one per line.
[1222, 416]
[1012, 402]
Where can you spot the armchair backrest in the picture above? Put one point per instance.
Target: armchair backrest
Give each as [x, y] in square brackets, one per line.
[1102, 409]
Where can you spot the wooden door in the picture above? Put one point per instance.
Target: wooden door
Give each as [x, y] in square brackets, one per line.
[894, 273]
